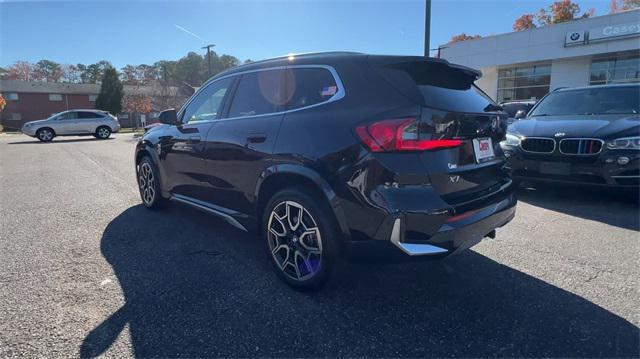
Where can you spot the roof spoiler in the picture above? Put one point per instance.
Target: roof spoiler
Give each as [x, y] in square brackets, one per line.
[392, 61]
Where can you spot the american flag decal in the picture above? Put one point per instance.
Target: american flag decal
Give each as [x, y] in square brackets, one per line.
[328, 91]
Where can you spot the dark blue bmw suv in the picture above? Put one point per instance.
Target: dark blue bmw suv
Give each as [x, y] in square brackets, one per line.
[325, 154]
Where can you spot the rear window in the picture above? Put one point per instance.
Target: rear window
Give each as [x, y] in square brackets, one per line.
[470, 99]
[591, 101]
[440, 86]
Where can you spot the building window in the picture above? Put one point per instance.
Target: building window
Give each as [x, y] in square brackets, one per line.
[11, 96]
[529, 82]
[55, 97]
[618, 69]
[13, 117]
[93, 98]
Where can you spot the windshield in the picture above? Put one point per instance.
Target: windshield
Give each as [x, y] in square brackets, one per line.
[594, 101]
[512, 108]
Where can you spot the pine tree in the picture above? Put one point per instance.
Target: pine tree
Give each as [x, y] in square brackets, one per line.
[110, 96]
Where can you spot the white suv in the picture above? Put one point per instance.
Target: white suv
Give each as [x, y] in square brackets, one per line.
[100, 124]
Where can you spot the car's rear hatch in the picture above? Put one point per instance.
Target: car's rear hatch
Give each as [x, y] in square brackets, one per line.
[456, 117]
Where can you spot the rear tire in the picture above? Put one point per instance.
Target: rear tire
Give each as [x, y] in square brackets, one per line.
[45, 134]
[301, 238]
[103, 132]
[149, 184]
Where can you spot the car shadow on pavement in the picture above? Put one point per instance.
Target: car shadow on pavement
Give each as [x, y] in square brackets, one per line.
[196, 287]
[31, 142]
[596, 204]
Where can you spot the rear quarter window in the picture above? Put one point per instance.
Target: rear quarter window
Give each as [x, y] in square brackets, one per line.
[309, 86]
[88, 115]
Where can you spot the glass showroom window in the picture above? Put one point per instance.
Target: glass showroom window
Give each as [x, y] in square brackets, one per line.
[620, 69]
[524, 82]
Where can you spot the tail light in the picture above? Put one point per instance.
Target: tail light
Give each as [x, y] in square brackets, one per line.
[400, 134]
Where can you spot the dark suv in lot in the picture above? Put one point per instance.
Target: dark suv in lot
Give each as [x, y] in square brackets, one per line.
[584, 135]
[327, 154]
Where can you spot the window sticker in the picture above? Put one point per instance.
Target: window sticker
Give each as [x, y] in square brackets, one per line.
[328, 91]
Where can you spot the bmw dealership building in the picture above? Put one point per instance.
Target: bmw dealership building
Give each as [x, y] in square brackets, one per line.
[528, 64]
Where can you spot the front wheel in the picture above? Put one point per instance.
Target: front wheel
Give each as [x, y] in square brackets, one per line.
[103, 132]
[45, 134]
[149, 184]
[301, 238]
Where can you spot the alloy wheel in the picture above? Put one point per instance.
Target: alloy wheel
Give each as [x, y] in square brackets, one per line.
[103, 132]
[294, 240]
[45, 134]
[146, 183]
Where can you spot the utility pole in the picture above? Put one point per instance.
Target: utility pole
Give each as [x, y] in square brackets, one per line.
[427, 27]
[208, 47]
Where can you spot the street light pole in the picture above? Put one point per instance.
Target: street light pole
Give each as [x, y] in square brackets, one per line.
[427, 27]
[208, 47]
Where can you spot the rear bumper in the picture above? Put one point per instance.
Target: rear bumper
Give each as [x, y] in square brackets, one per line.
[457, 235]
[438, 233]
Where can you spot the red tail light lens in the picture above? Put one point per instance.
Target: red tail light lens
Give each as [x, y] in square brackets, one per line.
[399, 135]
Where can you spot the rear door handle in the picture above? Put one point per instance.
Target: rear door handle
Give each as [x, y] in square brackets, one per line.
[194, 139]
[256, 138]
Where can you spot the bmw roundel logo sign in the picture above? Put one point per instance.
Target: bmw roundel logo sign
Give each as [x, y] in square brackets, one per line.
[575, 38]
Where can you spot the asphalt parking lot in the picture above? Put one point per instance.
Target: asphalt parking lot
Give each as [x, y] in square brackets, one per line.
[85, 270]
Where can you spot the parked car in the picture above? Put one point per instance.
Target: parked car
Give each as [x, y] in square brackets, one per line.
[586, 135]
[331, 154]
[152, 125]
[517, 109]
[100, 124]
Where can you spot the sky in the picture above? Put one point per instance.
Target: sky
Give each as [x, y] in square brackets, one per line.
[137, 32]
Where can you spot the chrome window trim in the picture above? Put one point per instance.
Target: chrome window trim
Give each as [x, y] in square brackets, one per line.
[602, 143]
[337, 96]
[539, 138]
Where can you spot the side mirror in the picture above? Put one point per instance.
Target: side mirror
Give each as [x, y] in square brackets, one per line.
[520, 114]
[169, 117]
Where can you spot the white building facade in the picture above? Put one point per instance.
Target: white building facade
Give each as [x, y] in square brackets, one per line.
[528, 64]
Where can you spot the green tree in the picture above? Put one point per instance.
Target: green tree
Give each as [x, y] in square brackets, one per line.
[94, 72]
[110, 96]
[229, 61]
[48, 71]
[191, 69]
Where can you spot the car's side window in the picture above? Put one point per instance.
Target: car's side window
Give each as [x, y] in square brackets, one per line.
[309, 86]
[208, 103]
[88, 115]
[259, 93]
[68, 116]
